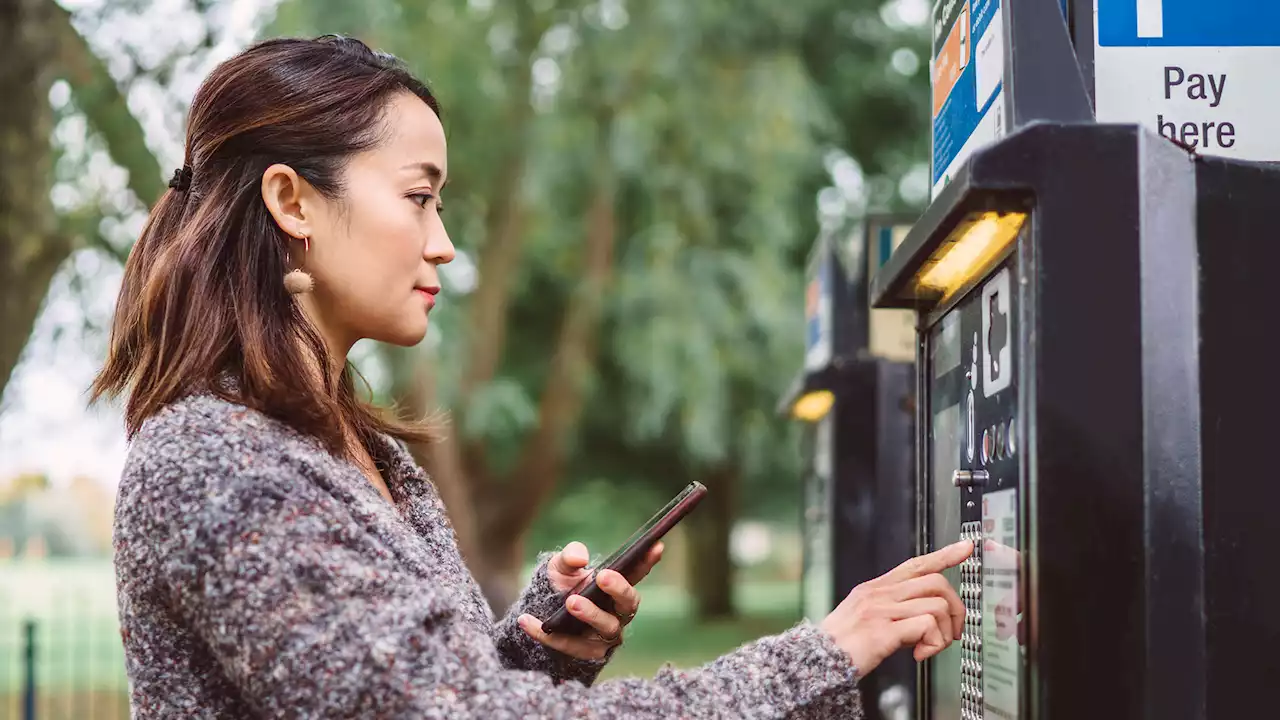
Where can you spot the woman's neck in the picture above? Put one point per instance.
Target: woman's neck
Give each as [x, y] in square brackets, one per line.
[336, 344]
[337, 341]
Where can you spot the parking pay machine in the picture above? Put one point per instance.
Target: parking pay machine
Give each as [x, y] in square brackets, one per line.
[1071, 284]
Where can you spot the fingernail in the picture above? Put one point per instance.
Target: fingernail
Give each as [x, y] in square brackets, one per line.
[575, 603]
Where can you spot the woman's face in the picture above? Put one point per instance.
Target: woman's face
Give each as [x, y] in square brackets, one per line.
[374, 252]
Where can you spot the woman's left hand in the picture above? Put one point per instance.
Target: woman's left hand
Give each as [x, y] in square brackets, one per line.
[565, 570]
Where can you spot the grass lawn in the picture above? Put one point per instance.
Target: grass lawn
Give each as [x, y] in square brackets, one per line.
[79, 661]
[665, 631]
[73, 604]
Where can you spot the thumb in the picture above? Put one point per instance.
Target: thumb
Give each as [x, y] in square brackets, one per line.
[572, 558]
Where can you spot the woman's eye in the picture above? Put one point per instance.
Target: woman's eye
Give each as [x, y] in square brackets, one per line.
[423, 198]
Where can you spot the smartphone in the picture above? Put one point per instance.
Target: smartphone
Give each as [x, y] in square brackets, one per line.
[624, 559]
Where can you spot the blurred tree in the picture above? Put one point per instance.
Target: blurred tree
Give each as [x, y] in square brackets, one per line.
[699, 386]
[30, 246]
[718, 242]
[45, 47]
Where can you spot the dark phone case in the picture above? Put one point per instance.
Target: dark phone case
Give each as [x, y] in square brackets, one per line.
[562, 622]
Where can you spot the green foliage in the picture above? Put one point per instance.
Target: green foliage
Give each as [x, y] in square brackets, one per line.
[666, 631]
[598, 512]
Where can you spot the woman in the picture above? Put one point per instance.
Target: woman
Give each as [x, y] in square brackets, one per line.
[278, 553]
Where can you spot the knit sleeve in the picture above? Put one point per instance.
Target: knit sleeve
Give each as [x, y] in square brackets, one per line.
[308, 615]
[521, 652]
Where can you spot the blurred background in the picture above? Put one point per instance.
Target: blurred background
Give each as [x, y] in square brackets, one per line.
[635, 188]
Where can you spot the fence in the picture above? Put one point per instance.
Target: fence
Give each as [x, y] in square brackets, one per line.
[60, 651]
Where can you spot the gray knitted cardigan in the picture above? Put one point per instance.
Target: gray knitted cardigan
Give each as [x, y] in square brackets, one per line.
[260, 576]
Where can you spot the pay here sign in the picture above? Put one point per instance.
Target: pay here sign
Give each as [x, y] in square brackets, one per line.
[1201, 72]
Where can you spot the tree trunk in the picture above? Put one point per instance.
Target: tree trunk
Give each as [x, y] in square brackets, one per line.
[493, 567]
[30, 249]
[511, 507]
[711, 564]
[495, 512]
[414, 378]
[40, 45]
[502, 563]
[500, 253]
[104, 106]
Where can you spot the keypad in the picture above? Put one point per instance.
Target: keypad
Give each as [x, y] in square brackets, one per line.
[971, 639]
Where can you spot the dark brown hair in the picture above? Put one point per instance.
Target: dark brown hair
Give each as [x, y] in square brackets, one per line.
[203, 298]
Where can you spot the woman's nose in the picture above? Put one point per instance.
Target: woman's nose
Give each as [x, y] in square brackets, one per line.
[439, 249]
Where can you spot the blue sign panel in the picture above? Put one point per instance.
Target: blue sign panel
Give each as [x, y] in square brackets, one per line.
[963, 100]
[1189, 23]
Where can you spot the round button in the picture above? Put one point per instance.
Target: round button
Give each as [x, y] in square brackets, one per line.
[1010, 445]
[988, 444]
[997, 444]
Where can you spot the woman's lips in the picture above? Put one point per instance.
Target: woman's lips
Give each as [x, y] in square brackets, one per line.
[428, 295]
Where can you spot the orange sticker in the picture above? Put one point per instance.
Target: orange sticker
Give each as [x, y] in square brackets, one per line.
[951, 61]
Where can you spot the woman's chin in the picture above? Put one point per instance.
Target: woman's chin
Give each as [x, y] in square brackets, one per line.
[406, 336]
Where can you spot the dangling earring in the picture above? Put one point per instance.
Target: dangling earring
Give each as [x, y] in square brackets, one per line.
[299, 281]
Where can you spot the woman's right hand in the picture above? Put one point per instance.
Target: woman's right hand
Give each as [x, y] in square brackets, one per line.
[912, 605]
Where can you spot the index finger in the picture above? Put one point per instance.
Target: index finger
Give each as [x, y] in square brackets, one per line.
[934, 562]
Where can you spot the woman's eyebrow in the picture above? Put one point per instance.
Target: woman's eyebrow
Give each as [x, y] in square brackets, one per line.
[431, 170]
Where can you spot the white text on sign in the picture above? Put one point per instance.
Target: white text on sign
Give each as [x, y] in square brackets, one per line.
[1205, 87]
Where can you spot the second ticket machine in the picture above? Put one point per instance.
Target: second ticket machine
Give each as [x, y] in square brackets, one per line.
[856, 396]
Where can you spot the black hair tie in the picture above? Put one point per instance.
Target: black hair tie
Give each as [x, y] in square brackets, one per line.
[181, 179]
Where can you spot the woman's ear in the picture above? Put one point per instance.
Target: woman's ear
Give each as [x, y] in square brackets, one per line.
[282, 191]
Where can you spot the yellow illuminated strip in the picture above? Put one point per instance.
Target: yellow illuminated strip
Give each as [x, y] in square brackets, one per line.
[969, 252]
[813, 406]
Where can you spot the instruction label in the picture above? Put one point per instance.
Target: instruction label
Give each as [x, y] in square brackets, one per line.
[1001, 610]
[967, 77]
